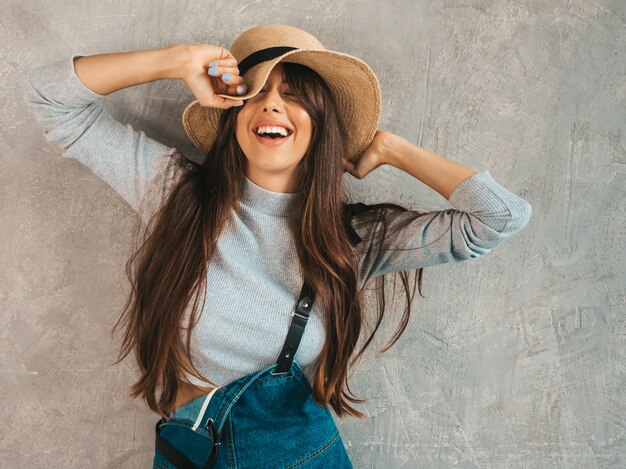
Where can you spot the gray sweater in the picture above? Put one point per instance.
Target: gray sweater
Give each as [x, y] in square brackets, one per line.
[254, 280]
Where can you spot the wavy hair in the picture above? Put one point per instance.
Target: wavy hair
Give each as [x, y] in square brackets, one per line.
[168, 266]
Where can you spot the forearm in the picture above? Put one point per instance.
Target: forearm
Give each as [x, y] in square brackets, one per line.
[106, 73]
[436, 171]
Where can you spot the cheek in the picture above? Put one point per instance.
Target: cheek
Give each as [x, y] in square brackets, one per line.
[240, 127]
[239, 132]
[304, 122]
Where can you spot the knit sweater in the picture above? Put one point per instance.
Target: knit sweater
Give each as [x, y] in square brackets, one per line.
[254, 279]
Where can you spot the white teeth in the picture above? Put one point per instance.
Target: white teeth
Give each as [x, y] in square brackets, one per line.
[276, 130]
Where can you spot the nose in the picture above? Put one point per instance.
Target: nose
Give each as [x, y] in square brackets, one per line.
[272, 101]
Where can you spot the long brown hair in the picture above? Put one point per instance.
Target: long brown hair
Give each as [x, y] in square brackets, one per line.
[168, 265]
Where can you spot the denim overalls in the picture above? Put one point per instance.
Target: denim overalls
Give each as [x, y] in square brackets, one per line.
[267, 419]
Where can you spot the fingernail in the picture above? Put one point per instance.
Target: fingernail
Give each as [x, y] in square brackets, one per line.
[213, 71]
[214, 64]
[237, 105]
[227, 77]
[241, 89]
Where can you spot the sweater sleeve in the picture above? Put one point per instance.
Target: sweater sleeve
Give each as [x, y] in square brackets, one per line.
[484, 214]
[73, 116]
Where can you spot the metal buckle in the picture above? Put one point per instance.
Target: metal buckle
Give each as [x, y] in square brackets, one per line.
[296, 313]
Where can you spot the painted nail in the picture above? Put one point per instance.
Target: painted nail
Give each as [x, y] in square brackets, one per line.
[213, 71]
[241, 89]
[227, 77]
[214, 64]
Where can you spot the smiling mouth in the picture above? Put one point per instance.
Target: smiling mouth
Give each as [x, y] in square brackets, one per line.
[272, 139]
[273, 135]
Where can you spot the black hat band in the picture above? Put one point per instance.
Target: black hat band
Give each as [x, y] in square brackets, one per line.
[262, 55]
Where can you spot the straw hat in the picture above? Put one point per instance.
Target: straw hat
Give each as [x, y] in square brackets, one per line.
[352, 82]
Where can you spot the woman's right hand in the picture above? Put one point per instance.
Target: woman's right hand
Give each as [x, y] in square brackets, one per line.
[206, 87]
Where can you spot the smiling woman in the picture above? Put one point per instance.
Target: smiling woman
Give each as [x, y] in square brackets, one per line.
[274, 128]
[261, 236]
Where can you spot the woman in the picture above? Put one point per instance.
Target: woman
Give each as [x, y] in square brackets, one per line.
[249, 377]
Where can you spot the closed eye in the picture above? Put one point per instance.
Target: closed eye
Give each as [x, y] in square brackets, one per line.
[288, 93]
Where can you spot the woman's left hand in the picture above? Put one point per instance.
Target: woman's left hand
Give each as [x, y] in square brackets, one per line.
[373, 157]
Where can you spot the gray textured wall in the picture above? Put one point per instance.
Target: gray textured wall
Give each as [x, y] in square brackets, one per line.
[513, 360]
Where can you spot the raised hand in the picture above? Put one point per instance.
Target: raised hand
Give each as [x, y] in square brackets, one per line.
[371, 158]
[212, 70]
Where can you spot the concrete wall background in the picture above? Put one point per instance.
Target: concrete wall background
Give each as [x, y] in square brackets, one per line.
[513, 360]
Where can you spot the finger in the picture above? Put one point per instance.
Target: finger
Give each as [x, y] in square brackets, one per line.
[230, 79]
[236, 90]
[353, 169]
[220, 70]
[228, 103]
[225, 62]
[237, 104]
[226, 54]
[347, 165]
[221, 87]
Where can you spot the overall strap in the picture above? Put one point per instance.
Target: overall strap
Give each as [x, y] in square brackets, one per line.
[300, 315]
[299, 318]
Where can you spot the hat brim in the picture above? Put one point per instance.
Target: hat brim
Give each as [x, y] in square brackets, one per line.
[352, 82]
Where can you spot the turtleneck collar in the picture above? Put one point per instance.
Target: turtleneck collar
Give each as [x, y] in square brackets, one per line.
[272, 203]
